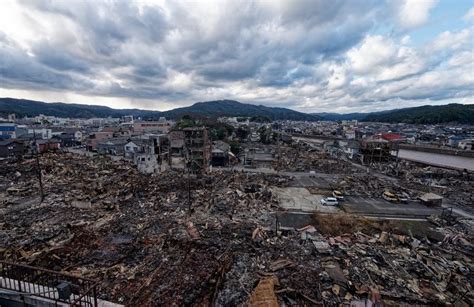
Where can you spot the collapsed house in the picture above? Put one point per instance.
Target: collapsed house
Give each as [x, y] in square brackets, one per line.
[112, 146]
[258, 157]
[220, 153]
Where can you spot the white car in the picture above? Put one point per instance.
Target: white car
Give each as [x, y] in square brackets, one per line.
[329, 201]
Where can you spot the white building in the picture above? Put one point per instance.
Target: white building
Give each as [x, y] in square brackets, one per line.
[131, 149]
[42, 133]
[146, 163]
[466, 144]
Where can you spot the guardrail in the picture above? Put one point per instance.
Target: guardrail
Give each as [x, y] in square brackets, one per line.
[50, 285]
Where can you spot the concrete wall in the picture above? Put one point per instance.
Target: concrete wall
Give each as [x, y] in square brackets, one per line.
[432, 149]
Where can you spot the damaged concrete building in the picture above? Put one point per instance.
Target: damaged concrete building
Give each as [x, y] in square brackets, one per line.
[197, 147]
[374, 150]
[176, 156]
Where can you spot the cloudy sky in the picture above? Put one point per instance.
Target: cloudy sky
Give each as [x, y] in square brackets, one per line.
[310, 56]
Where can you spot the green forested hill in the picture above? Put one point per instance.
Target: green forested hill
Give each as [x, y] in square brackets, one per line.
[23, 107]
[460, 113]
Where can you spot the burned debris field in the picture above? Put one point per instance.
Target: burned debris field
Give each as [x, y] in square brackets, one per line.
[171, 238]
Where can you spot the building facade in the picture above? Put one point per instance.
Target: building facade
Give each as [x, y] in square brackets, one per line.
[197, 148]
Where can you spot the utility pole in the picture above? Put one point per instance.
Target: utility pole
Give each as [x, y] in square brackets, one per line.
[186, 165]
[189, 189]
[38, 167]
[396, 164]
[279, 150]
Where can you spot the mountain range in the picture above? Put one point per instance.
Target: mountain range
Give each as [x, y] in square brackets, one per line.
[22, 107]
[459, 113]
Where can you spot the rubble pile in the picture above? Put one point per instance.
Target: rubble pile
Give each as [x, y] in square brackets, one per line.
[181, 239]
[372, 185]
[102, 219]
[452, 184]
[455, 185]
[294, 159]
[397, 267]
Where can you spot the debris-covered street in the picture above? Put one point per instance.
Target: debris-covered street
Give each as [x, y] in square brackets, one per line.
[139, 237]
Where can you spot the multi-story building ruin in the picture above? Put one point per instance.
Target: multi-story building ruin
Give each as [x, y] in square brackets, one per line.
[197, 148]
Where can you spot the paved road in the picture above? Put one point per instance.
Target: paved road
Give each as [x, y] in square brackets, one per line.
[274, 172]
[372, 206]
[300, 199]
[459, 211]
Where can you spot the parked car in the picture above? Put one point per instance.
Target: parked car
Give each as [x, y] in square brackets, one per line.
[338, 195]
[402, 198]
[390, 197]
[329, 201]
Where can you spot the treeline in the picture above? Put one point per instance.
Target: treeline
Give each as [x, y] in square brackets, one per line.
[459, 113]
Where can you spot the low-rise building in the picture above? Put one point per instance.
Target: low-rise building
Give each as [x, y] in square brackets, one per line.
[11, 148]
[96, 137]
[66, 139]
[258, 158]
[41, 133]
[453, 140]
[135, 146]
[466, 144]
[113, 146]
[161, 126]
[146, 163]
[48, 145]
[220, 153]
[351, 149]
[117, 131]
[7, 131]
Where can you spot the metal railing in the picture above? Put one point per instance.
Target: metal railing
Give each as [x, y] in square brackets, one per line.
[53, 286]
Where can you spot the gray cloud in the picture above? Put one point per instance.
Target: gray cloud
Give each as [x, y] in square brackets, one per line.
[20, 70]
[305, 54]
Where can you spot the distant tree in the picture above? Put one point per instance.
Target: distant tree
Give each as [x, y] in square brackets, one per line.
[217, 130]
[265, 135]
[218, 133]
[242, 133]
[187, 121]
[235, 147]
[261, 119]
